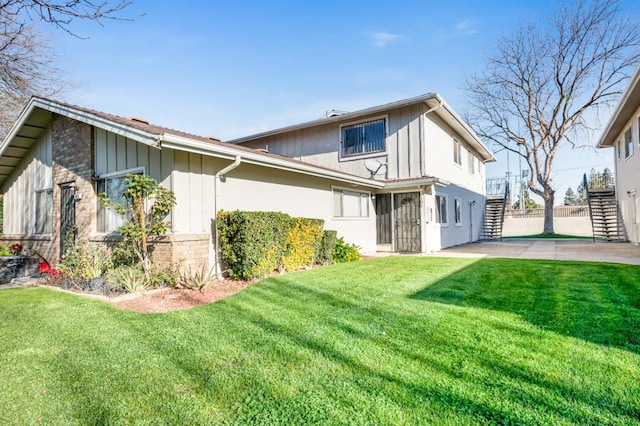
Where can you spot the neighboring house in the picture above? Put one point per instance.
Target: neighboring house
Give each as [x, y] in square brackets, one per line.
[431, 162]
[57, 157]
[622, 133]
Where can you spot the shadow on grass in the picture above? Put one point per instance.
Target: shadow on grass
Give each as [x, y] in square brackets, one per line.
[596, 302]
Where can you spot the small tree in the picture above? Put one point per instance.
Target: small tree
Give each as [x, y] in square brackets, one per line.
[570, 198]
[529, 203]
[142, 225]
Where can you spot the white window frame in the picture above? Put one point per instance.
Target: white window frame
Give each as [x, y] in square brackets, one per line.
[359, 156]
[439, 215]
[457, 152]
[457, 211]
[48, 226]
[100, 221]
[338, 209]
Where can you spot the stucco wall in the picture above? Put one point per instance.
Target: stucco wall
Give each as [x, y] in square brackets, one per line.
[578, 226]
[627, 172]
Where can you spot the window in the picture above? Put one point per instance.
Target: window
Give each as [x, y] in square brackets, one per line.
[350, 203]
[619, 144]
[457, 207]
[441, 209]
[363, 138]
[628, 143]
[44, 211]
[472, 163]
[113, 185]
[457, 152]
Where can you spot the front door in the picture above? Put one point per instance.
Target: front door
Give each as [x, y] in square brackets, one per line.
[67, 216]
[406, 208]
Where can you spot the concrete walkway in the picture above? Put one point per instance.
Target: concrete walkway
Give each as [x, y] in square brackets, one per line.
[578, 249]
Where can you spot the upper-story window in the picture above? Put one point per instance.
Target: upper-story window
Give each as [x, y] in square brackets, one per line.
[457, 152]
[628, 143]
[363, 138]
[471, 162]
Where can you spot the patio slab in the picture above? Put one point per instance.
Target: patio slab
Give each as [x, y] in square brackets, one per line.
[565, 249]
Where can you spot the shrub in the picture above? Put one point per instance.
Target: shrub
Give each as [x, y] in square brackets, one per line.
[83, 261]
[324, 248]
[164, 275]
[200, 279]
[345, 252]
[252, 243]
[301, 240]
[5, 249]
[132, 279]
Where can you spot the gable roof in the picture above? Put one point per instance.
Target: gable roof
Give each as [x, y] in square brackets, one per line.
[627, 106]
[433, 100]
[34, 119]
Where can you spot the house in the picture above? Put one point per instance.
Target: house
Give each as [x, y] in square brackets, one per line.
[57, 157]
[429, 194]
[431, 162]
[622, 133]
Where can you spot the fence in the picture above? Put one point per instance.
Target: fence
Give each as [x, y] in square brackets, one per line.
[559, 211]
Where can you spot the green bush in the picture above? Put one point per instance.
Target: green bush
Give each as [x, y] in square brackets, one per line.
[324, 247]
[84, 261]
[345, 252]
[132, 279]
[252, 243]
[255, 244]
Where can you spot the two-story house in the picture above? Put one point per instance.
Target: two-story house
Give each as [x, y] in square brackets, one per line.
[431, 162]
[622, 133]
[407, 177]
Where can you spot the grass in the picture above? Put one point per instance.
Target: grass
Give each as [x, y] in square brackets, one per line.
[400, 340]
[557, 236]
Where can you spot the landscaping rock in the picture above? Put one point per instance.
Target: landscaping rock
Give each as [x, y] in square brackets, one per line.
[18, 266]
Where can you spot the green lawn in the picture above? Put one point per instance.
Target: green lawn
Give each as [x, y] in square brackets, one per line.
[400, 340]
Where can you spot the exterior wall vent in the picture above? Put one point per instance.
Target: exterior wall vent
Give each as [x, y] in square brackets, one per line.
[213, 138]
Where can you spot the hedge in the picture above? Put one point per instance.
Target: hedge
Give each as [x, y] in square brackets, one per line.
[255, 244]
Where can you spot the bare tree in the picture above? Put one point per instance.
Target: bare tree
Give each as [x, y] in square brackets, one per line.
[27, 64]
[541, 86]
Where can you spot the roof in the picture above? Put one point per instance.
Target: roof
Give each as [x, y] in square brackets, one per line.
[34, 119]
[627, 106]
[433, 100]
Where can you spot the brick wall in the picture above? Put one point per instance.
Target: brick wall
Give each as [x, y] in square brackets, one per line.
[188, 250]
[72, 155]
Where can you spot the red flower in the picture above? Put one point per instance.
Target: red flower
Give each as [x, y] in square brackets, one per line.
[44, 267]
[16, 248]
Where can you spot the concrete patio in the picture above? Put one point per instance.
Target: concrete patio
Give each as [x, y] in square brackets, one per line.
[565, 249]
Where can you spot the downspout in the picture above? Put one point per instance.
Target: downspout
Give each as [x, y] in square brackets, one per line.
[220, 175]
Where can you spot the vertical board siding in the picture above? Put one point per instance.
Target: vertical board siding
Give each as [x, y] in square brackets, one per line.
[181, 211]
[195, 192]
[193, 183]
[33, 173]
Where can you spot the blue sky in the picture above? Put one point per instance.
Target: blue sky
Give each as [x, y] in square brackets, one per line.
[233, 68]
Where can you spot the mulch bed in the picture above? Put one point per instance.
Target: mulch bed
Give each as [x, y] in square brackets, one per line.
[179, 299]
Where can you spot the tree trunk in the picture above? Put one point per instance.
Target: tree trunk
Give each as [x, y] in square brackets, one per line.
[548, 213]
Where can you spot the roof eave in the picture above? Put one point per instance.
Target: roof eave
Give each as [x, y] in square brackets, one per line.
[626, 107]
[185, 144]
